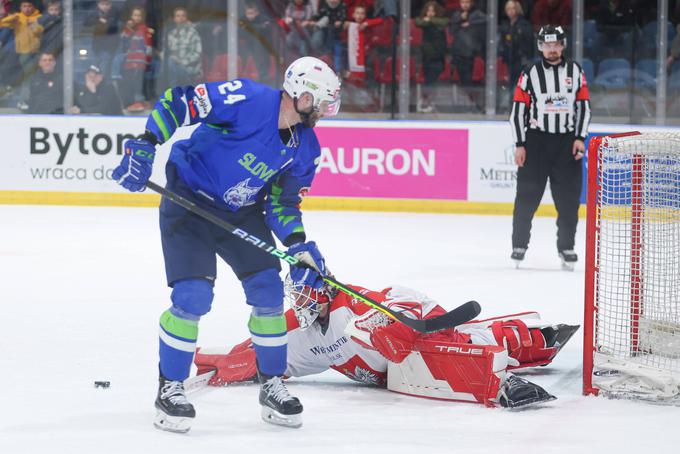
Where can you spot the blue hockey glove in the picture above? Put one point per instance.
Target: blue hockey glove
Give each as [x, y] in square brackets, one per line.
[309, 254]
[135, 168]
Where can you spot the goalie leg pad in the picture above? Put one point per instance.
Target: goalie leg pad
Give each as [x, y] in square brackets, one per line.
[527, 346]
[530, 341]
[238, 365]
[532, 319]
[450, 371]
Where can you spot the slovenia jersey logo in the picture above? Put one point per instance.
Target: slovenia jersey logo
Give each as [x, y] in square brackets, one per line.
[241, 194]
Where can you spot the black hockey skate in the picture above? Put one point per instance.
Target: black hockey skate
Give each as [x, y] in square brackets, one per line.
[278, 406]
[569, 259]
[518, 255]
[174, 413]
[517, 392]
[558, 335]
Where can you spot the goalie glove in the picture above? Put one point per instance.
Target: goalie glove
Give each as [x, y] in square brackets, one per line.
[395, 341]
[374, 330]
[361, 327]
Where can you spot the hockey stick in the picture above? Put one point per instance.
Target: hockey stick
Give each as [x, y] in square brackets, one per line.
[463, 313]
[192, 384]
[460, 315]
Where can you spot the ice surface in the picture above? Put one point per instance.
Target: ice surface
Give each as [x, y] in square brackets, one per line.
[82, 289]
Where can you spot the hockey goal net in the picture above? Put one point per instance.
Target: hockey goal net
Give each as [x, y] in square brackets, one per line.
[632, 301]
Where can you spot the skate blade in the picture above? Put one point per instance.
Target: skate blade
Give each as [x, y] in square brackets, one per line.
[274, 417]
[517, 263]
[568, 266]
[177, 424]
[530, 403]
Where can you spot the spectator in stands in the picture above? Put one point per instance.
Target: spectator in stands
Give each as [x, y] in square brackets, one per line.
[614, 18]
[256, 38]
[96, 96]
[53, 33]
[183, 51]
[368, 6]
[4, 8]
[104, 25]
[468, 26]
[433, 49]
[27, 36]
[356, 53]
[328, 24]
[517, 39]
[7, 55]
[554, 12]
[136, 42]
[298, 19]
[675, 49]
[210, 17]
[46, 88]
[5, 33]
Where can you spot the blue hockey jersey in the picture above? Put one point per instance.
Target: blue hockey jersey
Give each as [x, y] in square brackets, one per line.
[236, 158]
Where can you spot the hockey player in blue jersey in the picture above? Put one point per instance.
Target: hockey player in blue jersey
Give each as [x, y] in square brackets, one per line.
[249, 161]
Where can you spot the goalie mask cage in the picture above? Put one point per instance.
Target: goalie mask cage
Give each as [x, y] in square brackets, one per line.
[632, 301]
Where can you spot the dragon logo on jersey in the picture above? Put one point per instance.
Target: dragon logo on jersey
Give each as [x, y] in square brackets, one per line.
[364, 376]
[241, 194]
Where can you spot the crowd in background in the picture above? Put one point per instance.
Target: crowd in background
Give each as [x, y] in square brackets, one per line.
[134, 49]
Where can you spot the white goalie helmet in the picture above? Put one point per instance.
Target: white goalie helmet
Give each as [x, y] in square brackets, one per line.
[306, 302]
[313, 76]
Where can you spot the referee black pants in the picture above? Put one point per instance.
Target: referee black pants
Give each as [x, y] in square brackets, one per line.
[548, 156]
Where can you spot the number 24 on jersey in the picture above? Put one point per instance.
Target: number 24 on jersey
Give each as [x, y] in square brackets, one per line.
[230, 86]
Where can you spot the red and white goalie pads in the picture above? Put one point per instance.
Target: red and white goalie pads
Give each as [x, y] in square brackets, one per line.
[519, 333]
[454, 371]
[466, 364]
[237, 365]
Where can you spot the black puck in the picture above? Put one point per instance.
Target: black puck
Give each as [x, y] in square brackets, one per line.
[102, 384]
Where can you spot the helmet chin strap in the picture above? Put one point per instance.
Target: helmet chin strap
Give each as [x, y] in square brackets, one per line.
[305, 116]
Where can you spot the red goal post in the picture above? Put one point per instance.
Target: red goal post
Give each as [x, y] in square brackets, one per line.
[632, 291]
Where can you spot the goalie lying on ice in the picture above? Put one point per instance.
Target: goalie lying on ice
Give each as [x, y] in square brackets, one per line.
[328, 329]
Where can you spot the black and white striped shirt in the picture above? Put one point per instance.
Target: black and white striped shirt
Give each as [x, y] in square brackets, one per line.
[551, 98]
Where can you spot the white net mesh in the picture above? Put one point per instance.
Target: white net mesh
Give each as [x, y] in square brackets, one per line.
[637, 280]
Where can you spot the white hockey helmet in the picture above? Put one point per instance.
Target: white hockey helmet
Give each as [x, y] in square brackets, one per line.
[313, 76]
[306, 302]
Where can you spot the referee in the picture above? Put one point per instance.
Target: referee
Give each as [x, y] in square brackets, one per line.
[549, 118]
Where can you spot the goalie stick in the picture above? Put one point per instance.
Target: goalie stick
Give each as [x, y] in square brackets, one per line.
[197, 382]
[458, 316]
